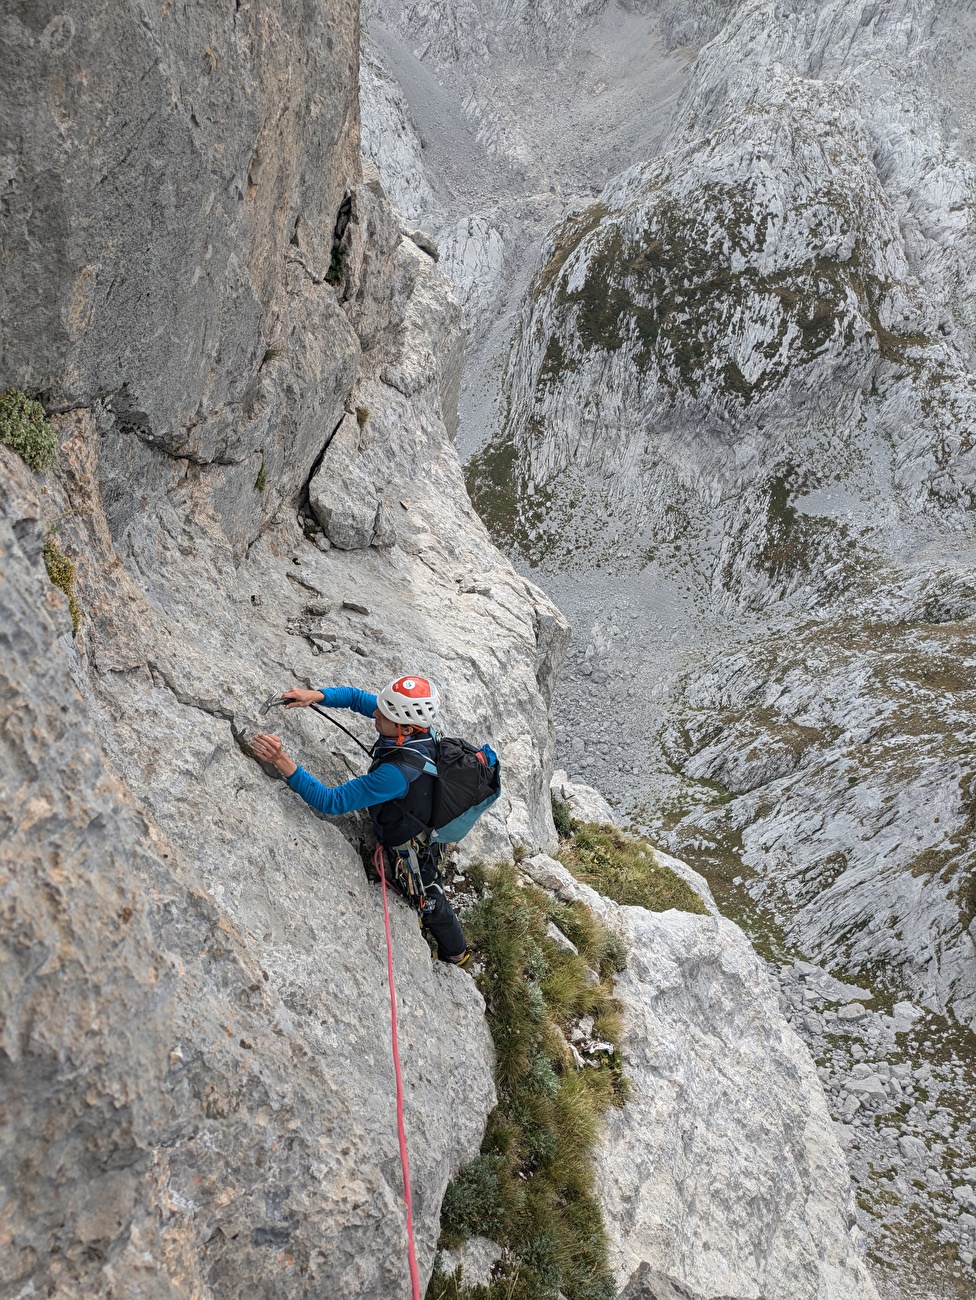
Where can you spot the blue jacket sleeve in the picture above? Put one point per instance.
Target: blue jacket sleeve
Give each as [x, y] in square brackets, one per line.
[387, 782]
[349, 697]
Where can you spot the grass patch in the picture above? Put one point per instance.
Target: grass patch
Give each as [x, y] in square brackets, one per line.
[62, 571]
[25, 430]
[561, 817]
[531, 1188]
[625, 868]
[261, 482]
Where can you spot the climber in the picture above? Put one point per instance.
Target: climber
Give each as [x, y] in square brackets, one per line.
[397, 794]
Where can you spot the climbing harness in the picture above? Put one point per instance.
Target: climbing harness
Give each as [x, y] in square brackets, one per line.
[380, 864]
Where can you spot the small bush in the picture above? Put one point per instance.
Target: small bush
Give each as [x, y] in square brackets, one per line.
[336, 273]
[474, 1203]
[531, 1188]
[261, 482]
[625, 868]
[25, 430]
[61, 571]
[561, 818]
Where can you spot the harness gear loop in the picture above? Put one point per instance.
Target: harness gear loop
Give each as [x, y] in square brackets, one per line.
[407, 854]
[379, 862]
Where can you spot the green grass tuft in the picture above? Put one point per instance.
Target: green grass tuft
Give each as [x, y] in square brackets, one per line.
[561, 818]
[625, 868]
[531, 1188]
[61, 571]
[25, 430]
[261, 482]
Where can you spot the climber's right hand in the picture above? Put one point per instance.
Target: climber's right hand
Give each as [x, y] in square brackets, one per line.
[298, 698]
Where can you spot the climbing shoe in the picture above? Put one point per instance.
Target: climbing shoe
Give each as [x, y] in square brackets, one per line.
[461, 959]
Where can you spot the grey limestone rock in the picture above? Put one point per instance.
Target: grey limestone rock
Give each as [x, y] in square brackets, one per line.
[196, 1082]
[648, 1284]
[584, 802]
[734, 1127]
[726, 1124]
[750, 360]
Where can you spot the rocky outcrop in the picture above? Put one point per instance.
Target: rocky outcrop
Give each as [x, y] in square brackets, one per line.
[722, 1169]
[585, 804]
[196, 1079]
[843, 748]
[648, 1284]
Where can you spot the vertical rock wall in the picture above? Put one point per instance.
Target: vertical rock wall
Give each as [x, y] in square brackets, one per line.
[197, 1093]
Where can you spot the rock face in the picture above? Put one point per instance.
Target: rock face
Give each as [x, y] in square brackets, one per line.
[585, 804]
[648, 1284]
[722, 1169]
[487, 121]
[197, 1085]
[188, 215]
[748, 367]
[195, 1073]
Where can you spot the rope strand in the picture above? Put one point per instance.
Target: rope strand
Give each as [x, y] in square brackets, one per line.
[380, 864]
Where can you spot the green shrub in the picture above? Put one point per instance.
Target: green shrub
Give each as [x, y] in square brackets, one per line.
[625, 868]
[61, 571]
[561, 818]
[531, 1188]
[25, 430]
[261, 482]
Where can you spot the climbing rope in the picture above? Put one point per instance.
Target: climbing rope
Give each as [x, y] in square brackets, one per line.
[380, 865]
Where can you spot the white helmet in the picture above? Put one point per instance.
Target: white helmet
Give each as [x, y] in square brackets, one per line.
[411, 701]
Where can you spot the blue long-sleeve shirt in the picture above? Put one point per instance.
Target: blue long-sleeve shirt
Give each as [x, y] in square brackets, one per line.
[386, 783]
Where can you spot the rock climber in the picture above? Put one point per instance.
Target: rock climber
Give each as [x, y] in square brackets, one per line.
[397, 795]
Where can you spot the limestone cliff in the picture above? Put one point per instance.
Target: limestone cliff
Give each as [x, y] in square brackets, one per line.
[250, 371]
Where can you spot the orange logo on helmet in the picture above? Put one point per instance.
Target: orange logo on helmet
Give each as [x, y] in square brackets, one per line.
[414, 687]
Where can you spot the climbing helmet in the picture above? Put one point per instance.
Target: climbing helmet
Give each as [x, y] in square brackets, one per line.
[411, 701]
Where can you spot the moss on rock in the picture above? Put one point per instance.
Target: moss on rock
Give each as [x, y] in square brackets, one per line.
[62, 572]
[25, 430]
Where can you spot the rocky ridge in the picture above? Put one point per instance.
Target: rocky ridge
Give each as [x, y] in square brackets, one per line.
[718, 1083]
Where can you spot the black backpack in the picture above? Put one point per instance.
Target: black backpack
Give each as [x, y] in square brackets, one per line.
[467, 782]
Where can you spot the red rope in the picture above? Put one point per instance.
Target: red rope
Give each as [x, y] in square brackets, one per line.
[380, 864]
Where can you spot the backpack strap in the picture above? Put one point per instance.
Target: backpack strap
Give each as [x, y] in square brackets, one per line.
[420, 763]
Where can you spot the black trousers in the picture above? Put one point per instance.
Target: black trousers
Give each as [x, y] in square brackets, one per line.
[436, 914]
